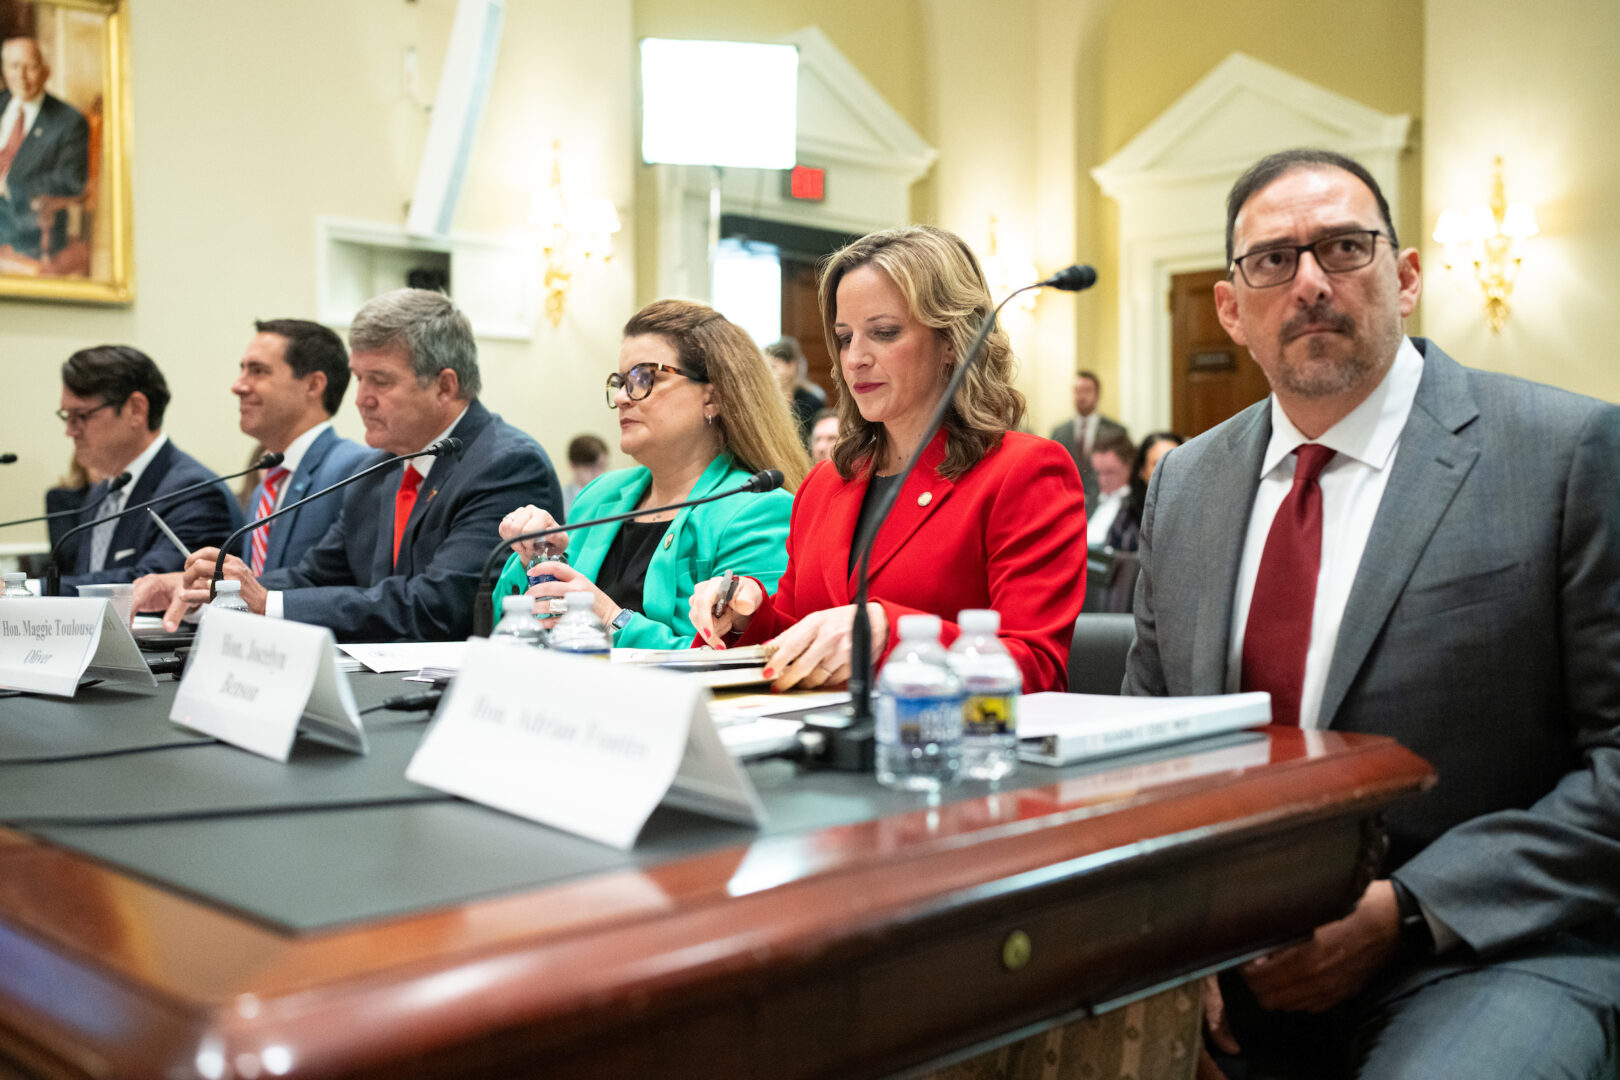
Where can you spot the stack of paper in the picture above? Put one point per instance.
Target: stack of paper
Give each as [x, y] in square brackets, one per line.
[1060, 729]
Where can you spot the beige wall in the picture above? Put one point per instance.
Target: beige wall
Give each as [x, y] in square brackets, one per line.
[1536, 84]
[1154, 50]
[250, 120]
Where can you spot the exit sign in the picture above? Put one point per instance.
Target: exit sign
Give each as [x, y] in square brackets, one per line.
[806, 182]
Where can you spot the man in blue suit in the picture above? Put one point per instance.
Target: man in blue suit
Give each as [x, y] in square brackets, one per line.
[44, 148]
[401, 563]
[113, 401]
[291, 380]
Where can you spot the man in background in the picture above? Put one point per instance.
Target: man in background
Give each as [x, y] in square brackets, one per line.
[1111, 461]
[1086, 430]
[1373, 547]
[113, 402]
[587, 459]
[401, 563]
[44, 148]
[824, 435]
[289, 383]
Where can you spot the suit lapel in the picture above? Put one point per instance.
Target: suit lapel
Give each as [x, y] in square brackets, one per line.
[924, 492]
[1433, 460]
[297, 487]
[843, 511]
[589, 547]
[472, 424]
[1221, 516]
[127, 533]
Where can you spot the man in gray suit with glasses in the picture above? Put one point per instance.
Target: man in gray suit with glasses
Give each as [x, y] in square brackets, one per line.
[1393, 543]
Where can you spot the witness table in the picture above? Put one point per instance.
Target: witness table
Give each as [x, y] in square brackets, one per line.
[172, 908]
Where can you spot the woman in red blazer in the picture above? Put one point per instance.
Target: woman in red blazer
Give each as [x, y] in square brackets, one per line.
[991, 518]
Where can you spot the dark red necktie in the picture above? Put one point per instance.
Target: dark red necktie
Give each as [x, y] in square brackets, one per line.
[8, 152]
[1278, 634]
[404, 501]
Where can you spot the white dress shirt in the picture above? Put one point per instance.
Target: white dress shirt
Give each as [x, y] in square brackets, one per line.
[1353, 482]
[8, 119]
[101, 535]
[272, 600]
[1101, 518]
[293, 456]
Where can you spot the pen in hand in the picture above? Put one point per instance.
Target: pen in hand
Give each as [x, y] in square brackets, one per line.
[728, 589]
[185, 552]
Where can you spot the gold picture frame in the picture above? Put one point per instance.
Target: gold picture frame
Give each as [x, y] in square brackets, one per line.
[57, 243]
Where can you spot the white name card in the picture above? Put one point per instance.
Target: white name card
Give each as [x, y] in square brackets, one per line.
[579, 744]
[258, 683]
[49, 643]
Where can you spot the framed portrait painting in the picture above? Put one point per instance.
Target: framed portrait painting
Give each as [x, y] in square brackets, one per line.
[65, 224]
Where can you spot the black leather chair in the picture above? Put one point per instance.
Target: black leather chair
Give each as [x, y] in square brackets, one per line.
[1097, 654]
[1110, 580]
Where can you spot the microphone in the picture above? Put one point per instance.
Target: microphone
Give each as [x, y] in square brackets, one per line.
[484, 603]
[115, 484]
[443, 446]
[52, 585]
[860, 730]
[8, 459]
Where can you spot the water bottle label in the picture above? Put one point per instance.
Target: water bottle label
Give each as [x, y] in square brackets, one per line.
[989, 714]
[919, 721]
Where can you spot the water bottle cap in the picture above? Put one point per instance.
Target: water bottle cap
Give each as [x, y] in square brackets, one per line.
[520, 604]
[16, 579]
[920, 626]
[979, 621]
[581, 601]
[229, 586]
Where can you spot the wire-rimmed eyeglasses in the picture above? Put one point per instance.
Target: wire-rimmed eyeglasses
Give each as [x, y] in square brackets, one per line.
[1336, 254]
[80, 417]
[638, 381]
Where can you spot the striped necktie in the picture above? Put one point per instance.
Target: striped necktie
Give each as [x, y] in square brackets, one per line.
[263, 505]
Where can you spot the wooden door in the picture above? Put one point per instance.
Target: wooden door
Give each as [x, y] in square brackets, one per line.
[1211, 378]
[801, 318]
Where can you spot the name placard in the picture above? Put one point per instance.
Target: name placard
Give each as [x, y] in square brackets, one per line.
[258, 683]
[579, 744]
[49, 643]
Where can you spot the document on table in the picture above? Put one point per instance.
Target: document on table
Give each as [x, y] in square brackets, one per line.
[408, 655]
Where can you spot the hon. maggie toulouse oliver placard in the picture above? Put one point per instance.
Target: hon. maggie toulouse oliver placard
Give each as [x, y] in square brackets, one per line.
[48, 643]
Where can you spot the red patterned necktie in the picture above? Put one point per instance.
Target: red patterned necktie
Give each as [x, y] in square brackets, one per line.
[1278, 634]
[259, 541]
[8, 152]
[404, 500]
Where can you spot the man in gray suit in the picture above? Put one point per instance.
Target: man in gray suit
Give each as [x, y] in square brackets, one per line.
[1086, 430]
[1393, 543]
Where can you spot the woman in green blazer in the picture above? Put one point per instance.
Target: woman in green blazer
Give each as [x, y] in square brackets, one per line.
[699, 412]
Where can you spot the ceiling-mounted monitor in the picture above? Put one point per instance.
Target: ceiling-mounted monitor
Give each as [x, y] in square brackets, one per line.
[725, 103]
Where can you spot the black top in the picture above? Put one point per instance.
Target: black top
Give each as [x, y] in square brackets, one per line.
[863, 524]
[624, 568]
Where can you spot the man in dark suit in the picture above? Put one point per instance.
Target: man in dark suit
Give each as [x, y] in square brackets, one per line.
[113, 400]
[401, 562]
[44, 148]
[1378, 546]
[290, 381]
[1086, 430]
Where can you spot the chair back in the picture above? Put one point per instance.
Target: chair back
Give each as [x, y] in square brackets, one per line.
[1097, 653]
[1110, 580]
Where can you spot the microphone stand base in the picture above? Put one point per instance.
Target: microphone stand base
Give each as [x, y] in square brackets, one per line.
[839, 742]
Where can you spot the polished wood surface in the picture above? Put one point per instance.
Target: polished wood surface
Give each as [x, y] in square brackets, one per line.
[851, 951]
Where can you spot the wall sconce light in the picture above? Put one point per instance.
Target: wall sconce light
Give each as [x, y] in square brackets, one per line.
[574, 230]
[1003, 274]
[1493, 239]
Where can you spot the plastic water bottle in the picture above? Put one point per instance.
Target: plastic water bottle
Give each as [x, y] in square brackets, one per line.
[919, 711]
[544, 557]
[579, 631]
[518, 626]
[991, 683]
[16, 587]
[228, 597]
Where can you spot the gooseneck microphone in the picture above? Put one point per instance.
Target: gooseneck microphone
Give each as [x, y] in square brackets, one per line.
[484, 602]
[117, 483]
[53, 577]
[1072, 279]
[448, 445]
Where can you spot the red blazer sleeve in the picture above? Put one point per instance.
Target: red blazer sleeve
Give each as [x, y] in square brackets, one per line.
[1009, 534]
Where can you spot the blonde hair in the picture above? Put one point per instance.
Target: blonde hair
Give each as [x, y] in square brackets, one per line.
[944, 288]
[753, 420]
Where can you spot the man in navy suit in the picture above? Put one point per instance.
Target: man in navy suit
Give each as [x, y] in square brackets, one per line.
[401, 563]
[291, 380]
[113, 400]
[44, 148]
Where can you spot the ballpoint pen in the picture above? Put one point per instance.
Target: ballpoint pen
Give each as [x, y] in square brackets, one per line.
[175, 540]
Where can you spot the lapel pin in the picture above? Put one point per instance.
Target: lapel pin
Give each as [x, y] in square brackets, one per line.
[668, 539]
[925, 498]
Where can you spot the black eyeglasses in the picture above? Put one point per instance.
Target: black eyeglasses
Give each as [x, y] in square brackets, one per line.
[79, 417]
[1336, 254]
[638, 381]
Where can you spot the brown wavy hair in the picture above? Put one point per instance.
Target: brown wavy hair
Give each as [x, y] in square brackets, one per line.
[944, 287]
[753, 421]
